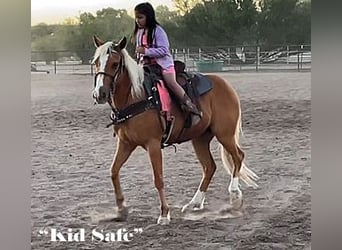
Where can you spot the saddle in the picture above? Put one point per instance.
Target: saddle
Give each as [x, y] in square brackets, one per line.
[194, 85]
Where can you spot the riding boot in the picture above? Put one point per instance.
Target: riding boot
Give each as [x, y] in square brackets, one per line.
[189, 106]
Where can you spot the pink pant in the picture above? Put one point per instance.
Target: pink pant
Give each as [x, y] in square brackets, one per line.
[165, 99]
[169, 76]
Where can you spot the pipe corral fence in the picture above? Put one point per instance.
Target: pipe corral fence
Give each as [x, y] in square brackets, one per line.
[204, 59]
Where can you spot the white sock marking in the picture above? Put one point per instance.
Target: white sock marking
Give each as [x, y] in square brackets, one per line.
[234, 184]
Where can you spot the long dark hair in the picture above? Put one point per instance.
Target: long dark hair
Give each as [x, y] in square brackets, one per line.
[151, 22]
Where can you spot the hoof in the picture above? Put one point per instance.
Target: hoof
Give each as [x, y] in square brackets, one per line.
[196, 203]
[237, 204]
[164, 220]
[122, 214]
[236, 200]
[193, 207]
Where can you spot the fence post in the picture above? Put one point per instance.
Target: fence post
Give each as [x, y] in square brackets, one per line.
[257, 58]
[301, 56]
[199, 53]
[184, 56]
[91, 70]
[228, 56]
[55, 62]
[287, 54]
[298, 60]
[242, 57]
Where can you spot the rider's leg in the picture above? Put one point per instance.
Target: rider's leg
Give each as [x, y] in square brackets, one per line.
[170, 79]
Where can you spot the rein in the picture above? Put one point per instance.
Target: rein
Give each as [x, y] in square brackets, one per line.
[120, 116]
[102, 73]
[114, 76]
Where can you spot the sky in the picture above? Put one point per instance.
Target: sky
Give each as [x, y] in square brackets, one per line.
[55, 11]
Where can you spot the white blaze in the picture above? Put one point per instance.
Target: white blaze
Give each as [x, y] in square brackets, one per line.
[99, 79]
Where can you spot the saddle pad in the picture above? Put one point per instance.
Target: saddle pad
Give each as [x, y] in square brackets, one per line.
[202, 83]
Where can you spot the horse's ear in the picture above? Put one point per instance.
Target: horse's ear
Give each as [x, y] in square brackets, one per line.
[122, 43]
[97, 41]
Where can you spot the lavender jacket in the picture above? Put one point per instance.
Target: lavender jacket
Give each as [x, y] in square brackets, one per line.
[160, 47]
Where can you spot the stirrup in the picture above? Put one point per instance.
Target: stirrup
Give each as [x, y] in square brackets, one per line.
[195, 119]
[193, 110]
[197, 112]
[168, 130]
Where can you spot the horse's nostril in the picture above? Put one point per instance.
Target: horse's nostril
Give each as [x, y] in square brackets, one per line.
[103, 95]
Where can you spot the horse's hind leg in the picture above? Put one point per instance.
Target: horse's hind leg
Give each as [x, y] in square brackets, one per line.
[202, 149]
[123, 151]
[233, 155]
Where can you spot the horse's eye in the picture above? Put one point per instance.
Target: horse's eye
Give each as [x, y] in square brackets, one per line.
[115, 65]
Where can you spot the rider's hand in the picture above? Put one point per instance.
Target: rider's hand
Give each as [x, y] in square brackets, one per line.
[140, 50]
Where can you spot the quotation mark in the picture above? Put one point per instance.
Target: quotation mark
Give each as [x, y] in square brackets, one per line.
[138, 230]
[43, 231]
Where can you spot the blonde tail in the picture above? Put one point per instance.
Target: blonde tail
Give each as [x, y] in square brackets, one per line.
[245, 174]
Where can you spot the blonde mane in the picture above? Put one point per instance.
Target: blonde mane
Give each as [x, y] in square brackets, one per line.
[101, 50]
[136, 74]
[135, 71]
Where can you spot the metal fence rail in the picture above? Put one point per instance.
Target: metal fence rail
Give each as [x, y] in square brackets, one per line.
[256, 58]
[205, 59]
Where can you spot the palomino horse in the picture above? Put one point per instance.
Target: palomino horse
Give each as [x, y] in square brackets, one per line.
[119, 82]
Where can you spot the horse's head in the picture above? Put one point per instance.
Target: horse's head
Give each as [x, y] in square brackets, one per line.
[109, 64]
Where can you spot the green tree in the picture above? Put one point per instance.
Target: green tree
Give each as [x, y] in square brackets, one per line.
[114, 24]
[221, 22]
[47, 39]
[184, 6]
[170, 22]
[164, 15]
[109, 24]
[282, 22]
[247, 28]
[41, 30]
[83, 45]
[202, 23]
[301, 24]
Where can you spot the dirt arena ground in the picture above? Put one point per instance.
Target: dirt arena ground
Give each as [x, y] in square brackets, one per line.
[72, 152]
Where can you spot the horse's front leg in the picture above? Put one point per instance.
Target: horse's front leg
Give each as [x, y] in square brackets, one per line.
[123, 151]
[155, 154]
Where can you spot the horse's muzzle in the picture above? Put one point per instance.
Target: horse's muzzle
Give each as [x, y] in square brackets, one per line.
[101, 96]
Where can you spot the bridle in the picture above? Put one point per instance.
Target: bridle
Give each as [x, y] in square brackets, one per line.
[119, 69]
